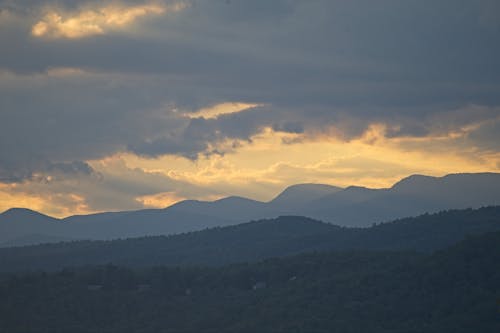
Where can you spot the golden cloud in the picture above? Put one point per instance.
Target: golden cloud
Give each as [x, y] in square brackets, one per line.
[159, 200]
[263, 167]
[218, 110]
[97, 21]
[53, 204]
[10, 200]
[257, 169]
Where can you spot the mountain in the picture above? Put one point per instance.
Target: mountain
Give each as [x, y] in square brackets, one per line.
[23, 227]
[240, 209]
[254, 241]
[454, 290]
[185, 216]
[235, 209]
[20, 222]
[359, 206]
[140, 223]
[352, 206]
[296, 196]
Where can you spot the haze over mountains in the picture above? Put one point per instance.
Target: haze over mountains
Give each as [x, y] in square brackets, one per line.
[351, 206]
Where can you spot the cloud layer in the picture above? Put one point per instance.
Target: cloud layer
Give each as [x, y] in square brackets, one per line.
[205, 81]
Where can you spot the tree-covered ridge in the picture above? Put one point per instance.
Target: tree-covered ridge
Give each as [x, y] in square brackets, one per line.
[258, 240]
[453, 290]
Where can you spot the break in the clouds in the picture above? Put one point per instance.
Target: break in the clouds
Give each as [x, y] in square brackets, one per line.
[210, 83]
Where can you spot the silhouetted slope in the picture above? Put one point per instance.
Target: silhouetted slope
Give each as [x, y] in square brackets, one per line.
[259, 240]
[145, 222]
[453, 291]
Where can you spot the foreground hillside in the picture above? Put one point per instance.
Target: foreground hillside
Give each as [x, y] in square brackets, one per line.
[451, 291]
[258, 240]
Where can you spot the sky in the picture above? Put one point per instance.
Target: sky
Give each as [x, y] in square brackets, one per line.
[123, 105]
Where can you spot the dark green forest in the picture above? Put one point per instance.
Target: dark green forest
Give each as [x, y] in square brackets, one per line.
[258, 240]
[433, 273]
[452, 290]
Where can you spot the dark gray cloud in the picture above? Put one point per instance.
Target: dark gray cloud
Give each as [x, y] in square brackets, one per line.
[115, 189]
[415, 65]
[41, 171]
[70, 118]
[487, 136]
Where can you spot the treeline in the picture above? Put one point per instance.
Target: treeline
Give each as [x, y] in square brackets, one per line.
[258, 240]
[453, 290]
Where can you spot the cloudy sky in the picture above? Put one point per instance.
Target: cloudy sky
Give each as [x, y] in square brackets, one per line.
[115, 105]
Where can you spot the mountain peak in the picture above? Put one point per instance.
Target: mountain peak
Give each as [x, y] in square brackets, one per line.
[24, 214]
[17, 211]
[300, 194]
[312, 186]
[234, 199]
[412, 181]
[419, 182]
[357, 188]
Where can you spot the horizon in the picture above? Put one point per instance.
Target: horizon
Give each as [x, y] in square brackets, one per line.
[267, 201]
[127, 105]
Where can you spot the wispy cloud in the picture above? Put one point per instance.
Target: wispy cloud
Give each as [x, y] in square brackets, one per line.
[159, 200]
[221, 109]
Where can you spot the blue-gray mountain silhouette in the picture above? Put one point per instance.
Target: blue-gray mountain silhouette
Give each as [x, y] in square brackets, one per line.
[352, 206]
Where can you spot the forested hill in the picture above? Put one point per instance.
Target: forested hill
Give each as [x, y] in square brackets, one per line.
[258, 240]
[455, 290]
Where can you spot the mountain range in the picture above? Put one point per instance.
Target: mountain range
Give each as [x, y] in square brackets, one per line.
[352, 206]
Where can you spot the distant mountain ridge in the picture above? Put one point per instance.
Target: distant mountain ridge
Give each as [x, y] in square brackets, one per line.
[351, 206]
[411, 196]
